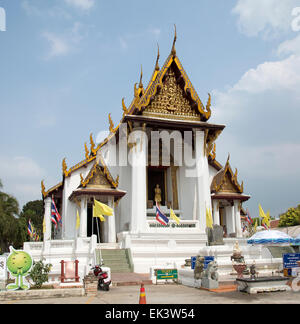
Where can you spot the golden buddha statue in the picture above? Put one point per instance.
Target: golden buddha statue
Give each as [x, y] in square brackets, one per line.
[157, 194]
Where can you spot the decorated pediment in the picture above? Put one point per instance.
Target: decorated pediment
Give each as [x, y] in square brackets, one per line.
[225, 181]
[98, 177]
[171, 101]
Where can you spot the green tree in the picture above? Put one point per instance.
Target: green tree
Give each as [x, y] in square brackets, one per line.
[290, 218]
[34, 211]
[9, 224]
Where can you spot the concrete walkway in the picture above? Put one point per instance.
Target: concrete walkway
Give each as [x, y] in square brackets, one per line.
[171, 294]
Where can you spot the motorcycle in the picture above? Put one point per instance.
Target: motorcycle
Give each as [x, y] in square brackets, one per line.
[103, 279]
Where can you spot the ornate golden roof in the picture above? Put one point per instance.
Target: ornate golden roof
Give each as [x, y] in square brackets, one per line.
[99, 175]
[169, 93]
[174, 89]
[51, 190]
[225, 181]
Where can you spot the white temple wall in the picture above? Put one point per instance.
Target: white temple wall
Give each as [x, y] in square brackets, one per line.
[186, 193]
[124, 209]
[230, 224]
[69, 208]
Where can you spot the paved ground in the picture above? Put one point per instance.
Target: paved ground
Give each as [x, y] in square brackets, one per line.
[171, 294]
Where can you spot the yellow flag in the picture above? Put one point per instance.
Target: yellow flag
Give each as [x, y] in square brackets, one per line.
[255, 225]
[102, 209]
[44, 226]
[174, 217]
[265, 217]
[209, 220]
[77, 220]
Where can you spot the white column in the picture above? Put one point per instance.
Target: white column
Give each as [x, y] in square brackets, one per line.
[216, 212]
[111, 220]
[83, 218]
[203, 186]
[47, 218]
[138, 155]
[232, 215]
[238, 225]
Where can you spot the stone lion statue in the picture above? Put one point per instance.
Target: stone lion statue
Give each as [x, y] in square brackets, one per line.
[212, 271]
[199, 267]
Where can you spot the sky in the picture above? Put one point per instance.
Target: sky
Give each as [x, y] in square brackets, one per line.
[66, 64]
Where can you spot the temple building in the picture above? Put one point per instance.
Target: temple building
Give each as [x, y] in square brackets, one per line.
[143, 162]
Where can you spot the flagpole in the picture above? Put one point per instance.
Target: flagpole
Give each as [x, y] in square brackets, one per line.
[97, 220]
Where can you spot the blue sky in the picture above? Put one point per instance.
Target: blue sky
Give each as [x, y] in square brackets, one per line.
[66, 64]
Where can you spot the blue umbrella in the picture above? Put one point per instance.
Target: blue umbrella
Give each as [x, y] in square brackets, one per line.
[271, 237]
[297, 240]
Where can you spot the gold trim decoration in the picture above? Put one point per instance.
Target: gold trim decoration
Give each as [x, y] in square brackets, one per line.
[213, 153]
[208, 105]
[87, 152]
[43, 189]
[84, 182]
[173, 51]
[111, 125]
[65, 168]
[93, 150]
[125, 110]
[46, 193]
[233, 179]
[109, 177]
[211, 141]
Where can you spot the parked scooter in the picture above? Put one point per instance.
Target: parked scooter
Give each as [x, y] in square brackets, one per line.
[103, 279]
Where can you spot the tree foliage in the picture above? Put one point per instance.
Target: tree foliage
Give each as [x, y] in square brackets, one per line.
[9, 227]
[34, 211]
[290, 218]
[13, 225]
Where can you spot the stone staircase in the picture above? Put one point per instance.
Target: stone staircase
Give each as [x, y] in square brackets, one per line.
[118, 260]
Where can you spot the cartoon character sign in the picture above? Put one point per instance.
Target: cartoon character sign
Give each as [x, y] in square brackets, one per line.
[19, 264]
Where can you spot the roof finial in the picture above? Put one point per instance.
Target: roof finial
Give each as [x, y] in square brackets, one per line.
[141, 79]
[157, 60]
[173, 52]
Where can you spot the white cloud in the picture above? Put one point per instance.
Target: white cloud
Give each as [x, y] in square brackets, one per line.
[291, 46]
[262, 113]
[58, 45]
[21, 177]
[20, 167]
[81, 4]
[271, 76]
[264, 17]
[64, 43]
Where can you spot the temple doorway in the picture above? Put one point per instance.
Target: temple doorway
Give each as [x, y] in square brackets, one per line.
[156, 176]
[92, 225]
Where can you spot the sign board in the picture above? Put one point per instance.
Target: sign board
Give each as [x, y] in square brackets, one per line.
[207, 261]
[290, 260]
[166, 274]
[3, 270]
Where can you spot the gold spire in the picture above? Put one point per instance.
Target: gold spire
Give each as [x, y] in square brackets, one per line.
[93, 150]
[125, 110]
[173, 52]
[141, 79]
[65, 168]
[157, 60]
[87, 153]
[111, 124]
[43, 189]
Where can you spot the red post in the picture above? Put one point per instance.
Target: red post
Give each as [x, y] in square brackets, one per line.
[62, 271]
[76, 271]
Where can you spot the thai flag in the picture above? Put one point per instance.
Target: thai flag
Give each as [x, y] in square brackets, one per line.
[55, 216]
[29, 228]
[160, 217]
[249, 219]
